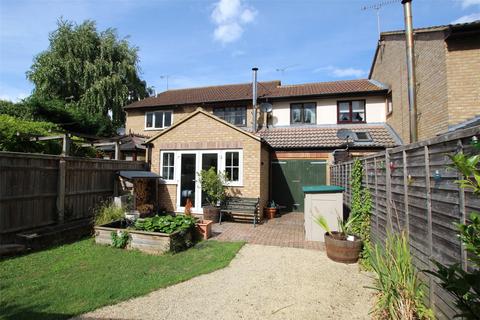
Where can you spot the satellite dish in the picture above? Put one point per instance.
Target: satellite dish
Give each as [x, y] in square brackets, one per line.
[344, 134]
[266, 107]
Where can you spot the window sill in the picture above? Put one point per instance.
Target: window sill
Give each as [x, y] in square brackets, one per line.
[155, 129]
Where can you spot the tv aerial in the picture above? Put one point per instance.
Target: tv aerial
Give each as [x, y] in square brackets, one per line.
[266, 107]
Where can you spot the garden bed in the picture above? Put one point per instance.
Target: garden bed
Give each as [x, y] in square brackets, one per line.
[149, 242]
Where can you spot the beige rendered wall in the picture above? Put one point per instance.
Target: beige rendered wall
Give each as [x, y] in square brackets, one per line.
[463, 73]
[327, 110]
[202, 130]
[390, 68]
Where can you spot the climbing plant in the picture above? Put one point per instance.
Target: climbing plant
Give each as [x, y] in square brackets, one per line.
[361, 207]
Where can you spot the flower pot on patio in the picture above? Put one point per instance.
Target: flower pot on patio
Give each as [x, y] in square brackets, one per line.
[211, 213]
[340, 249]
[204, 228]
[270, 213]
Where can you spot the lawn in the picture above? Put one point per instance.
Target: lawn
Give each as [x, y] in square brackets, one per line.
[80, 277]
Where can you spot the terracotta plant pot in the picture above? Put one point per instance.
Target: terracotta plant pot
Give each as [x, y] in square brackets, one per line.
[270, 213]
[211, 213]
[204, 227]
[341, 250]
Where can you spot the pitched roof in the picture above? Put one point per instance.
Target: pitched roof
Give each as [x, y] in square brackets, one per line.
[326, 136]
[229, 92]
[453, 27]
[271, 89]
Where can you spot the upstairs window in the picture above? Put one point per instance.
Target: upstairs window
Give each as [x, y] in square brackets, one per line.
[352, 111]
[303, 113]
[158, 119]
[233, 115]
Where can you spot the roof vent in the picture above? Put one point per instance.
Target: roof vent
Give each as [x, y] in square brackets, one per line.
[362, 136]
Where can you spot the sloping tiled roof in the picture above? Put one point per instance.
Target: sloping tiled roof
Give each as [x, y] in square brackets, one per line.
[271, 89]
[327, 88]
[325, 136]
[453, 27]
[231, 92]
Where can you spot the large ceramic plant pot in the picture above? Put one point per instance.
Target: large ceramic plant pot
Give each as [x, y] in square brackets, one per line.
[341, 250]
[270, 213]
[211, 213]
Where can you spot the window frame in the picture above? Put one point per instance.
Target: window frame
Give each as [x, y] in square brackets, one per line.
[163, 119]
[350, 103]
[244, 114]
[302, 114]
[389, 104]
[162, 165]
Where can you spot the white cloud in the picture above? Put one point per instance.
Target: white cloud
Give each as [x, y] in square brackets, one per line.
[230, 18]
[468, 18]
[468, 3]
[342, 72]
[238, 53]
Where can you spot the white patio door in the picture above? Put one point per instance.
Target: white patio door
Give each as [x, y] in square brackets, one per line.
[189, 189]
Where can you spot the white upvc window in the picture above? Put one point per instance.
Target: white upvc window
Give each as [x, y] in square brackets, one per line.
[158, 119]
[167, 166]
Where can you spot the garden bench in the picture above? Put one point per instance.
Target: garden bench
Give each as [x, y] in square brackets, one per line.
[241, 209]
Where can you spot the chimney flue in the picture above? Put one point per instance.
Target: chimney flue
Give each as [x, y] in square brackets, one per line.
[254, 99]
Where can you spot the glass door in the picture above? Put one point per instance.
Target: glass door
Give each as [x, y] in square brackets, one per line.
[209, 160]
[188, 178]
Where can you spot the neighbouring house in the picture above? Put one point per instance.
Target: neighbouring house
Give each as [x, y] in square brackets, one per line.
[130, 147]
[447, 75]
[198, 128]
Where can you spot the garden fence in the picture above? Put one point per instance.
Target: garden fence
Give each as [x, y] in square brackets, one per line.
[38, 190]
[413, 189]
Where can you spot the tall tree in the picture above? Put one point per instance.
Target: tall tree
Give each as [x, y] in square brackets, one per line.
[90, 70]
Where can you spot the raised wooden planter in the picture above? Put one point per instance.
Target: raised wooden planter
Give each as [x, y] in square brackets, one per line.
[149, 242]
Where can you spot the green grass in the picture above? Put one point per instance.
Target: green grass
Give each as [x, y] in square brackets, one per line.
[80, 277]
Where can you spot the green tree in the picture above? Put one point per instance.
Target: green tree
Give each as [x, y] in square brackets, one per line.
[89, 70]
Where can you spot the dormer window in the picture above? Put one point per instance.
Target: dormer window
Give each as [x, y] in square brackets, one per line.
[158, 119]
[352, 111]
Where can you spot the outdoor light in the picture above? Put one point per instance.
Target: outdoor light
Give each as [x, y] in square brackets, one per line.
[392, 166]
[437, 176]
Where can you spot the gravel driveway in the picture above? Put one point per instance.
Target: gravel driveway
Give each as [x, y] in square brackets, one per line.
[262, 282]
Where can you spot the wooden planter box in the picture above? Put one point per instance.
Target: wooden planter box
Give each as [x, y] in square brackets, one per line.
[149, 242]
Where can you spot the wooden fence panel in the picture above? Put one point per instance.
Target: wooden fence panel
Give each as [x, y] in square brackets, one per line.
[38, 190]
[413, 189]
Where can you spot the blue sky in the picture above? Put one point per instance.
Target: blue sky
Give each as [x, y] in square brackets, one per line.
[199, 43]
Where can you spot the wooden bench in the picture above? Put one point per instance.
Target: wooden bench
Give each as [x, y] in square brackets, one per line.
[241, 209]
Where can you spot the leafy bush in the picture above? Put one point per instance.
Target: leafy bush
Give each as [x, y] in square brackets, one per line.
[213, 185]
[120, 239]
[165, 224]
[400, 293]
[465, 285]
[361, 208]
[108, 212]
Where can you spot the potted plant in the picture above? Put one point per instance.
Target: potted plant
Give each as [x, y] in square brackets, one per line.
[213, 185]
[341, 246]
[271, 210]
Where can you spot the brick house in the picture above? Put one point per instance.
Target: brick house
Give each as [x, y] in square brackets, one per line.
[198, 128]
[447, 74]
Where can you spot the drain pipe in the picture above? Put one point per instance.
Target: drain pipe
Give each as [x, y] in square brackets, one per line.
[412, 94]
[254, 99]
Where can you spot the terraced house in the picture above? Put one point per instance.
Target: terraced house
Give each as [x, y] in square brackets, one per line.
[268, 156]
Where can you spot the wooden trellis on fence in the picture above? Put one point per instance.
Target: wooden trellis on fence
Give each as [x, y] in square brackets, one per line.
[413, 189]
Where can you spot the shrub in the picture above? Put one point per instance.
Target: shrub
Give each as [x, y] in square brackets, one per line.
[165, 224]
[361, 210]
[108, 212]
[213, 185]
[400, 293]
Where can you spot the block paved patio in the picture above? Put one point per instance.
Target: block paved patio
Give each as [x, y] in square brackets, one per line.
[284, 231]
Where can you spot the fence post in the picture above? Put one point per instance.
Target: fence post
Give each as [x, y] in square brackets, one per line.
[405, 192]
[463, 213]
[62, 172]
[429, 226]
[388, 190]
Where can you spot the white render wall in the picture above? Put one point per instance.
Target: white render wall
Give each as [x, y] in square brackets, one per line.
[327, 110]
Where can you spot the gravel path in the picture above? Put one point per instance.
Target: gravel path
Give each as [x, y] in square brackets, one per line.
[262, 282]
